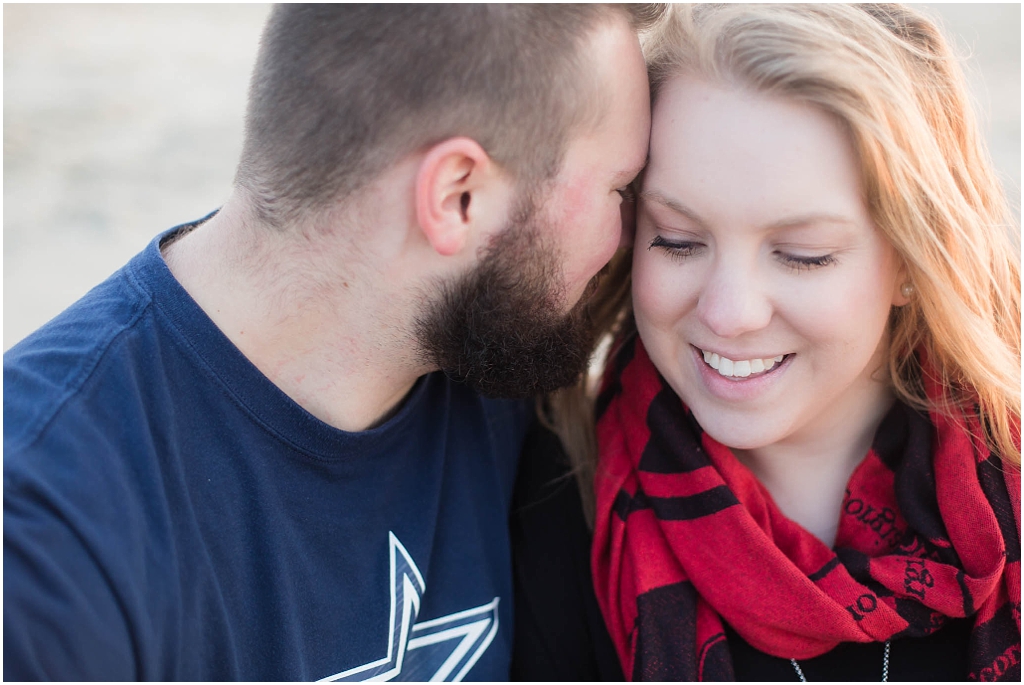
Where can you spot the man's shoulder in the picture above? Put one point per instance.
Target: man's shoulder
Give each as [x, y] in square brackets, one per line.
[92, 360]
[53, 365]
[71, 400]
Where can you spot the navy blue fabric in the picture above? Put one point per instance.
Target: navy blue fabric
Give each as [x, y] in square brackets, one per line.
[170, 514]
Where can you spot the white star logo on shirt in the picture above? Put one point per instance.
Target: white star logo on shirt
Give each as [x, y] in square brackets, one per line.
[442, 649]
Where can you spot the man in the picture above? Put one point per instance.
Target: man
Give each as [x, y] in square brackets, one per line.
[237, 458]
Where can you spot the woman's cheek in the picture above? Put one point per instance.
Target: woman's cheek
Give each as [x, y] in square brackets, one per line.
[659, 294]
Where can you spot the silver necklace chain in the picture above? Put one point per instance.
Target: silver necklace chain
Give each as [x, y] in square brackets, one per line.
[885, 666]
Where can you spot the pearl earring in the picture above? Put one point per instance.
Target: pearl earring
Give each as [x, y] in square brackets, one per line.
[907, 289]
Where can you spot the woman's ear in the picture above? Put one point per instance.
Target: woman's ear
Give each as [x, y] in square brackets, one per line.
[451, 174]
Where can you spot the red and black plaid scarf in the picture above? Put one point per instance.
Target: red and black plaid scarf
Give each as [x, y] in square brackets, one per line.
[686, 538]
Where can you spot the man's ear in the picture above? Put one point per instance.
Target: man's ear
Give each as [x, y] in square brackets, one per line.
[450, 175]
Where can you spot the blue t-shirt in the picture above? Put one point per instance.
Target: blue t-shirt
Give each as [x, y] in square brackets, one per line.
[170, 514]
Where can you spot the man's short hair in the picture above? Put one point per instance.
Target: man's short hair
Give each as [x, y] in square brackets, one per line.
[341, 92]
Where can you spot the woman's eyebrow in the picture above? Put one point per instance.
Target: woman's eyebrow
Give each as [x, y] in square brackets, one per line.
[787, 222]
[812, 219]
[674, 205]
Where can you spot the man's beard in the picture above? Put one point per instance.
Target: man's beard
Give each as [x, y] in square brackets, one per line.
[500, 328]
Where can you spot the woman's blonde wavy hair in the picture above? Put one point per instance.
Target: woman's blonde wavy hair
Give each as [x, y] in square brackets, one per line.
[889, 76]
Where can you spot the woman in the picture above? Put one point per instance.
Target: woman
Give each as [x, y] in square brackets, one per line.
[808, 461]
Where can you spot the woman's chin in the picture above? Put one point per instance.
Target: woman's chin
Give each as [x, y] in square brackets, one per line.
[738, 433]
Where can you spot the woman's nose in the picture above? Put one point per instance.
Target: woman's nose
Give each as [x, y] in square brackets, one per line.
[733, 302]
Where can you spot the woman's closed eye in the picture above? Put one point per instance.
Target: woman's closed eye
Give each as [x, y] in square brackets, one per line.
[676, 248]
[805, 262]
[688, 248]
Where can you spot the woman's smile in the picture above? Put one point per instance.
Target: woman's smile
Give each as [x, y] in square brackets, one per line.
[741, 368]
[740, 381]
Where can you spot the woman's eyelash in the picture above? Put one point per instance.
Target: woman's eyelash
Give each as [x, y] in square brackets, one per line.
[680, 249]
[805, 263]
[689, 248]
[626, 192]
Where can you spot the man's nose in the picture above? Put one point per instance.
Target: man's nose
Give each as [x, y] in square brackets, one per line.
[733, 302]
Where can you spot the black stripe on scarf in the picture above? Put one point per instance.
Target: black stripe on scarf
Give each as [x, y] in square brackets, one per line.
[694, 506]
[666, 620]
[625, 504]
[990, 475]
[662, 454]
[676, 508]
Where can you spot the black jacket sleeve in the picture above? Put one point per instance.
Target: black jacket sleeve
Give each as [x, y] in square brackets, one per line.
[559, 633]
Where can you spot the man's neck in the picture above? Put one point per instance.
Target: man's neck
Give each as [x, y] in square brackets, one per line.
[331, 340]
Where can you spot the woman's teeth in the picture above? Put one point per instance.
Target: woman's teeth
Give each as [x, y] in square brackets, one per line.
[742, 368]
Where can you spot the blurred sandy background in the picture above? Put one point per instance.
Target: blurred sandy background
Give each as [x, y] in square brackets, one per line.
[123, 120]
